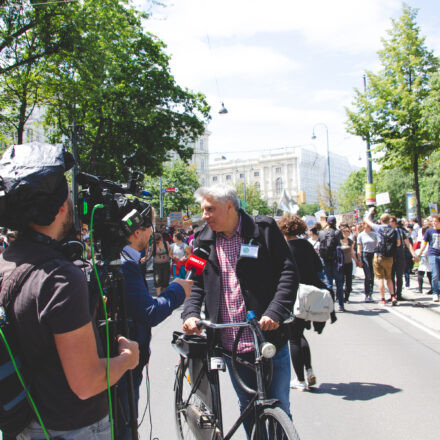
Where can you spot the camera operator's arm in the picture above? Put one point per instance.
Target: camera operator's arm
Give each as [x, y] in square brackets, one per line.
[84, 370]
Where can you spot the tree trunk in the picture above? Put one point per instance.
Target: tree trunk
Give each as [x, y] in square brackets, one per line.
[22, 118]
[416, 185]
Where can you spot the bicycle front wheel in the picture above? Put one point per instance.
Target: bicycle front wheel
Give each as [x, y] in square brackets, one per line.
[190, 409]
[275, 425]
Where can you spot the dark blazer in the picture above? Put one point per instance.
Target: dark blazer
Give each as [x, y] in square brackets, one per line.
[268, 283]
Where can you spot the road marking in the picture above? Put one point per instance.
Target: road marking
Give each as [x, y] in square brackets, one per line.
[415, 323]
[387, 326]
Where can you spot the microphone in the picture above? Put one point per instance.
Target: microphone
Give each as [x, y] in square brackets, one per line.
[196, 263]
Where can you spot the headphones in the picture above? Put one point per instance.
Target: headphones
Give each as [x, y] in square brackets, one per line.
[72, 249]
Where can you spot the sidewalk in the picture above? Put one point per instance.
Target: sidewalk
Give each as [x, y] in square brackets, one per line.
[415, 306]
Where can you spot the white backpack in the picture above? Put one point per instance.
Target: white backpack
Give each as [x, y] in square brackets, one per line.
[313, 304]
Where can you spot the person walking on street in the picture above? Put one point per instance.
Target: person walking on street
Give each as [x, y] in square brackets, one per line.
[432, 237]
[329, 240]
[383, 258]
[161, 263]
[423, 268]
[347, 247]
[399, 257]
[367, 242]
[309, 266]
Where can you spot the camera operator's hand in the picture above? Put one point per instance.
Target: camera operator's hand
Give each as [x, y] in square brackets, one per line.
[130, 350]
[186, 284]
[190, 327]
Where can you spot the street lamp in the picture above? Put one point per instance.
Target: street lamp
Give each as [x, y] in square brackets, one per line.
[223, 110]
[328, 162]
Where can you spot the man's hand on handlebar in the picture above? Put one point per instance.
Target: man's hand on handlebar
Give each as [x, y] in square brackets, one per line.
[190, 326]
[267, 323]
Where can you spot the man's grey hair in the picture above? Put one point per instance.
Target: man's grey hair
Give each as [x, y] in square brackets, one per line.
[219, 193]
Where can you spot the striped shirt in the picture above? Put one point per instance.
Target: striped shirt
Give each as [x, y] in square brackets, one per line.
[232, 306]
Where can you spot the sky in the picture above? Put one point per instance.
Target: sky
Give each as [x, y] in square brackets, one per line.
[281, 67]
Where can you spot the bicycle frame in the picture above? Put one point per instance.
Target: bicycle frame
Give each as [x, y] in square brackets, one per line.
[204, 369]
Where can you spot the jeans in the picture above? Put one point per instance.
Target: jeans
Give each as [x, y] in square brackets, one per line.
[98, 431]
[124, 430]
[348, 278]
[332, 273]
[397, 273]
[434, 262]
[367, 266]
[279, 387]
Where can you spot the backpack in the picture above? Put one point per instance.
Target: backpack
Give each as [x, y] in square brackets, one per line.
[388, 243]
[15, 410]
[328, 241]
[313, 304]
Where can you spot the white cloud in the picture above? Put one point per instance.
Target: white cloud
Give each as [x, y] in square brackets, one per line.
[348, 25]
[198, 62]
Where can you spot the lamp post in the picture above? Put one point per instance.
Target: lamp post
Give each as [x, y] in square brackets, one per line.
[370, 190]
[328, 163]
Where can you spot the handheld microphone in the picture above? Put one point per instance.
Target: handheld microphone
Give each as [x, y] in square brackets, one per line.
[196, 263]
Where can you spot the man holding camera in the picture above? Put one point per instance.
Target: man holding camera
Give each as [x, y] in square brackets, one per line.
[58, 340]
[144, 311]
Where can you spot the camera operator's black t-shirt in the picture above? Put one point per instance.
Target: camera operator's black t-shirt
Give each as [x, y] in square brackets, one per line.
[53, 300]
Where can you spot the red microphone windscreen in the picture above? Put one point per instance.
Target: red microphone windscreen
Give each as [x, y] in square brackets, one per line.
[196, 263]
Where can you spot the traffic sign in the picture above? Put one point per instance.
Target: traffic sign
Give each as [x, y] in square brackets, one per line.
[170, 190]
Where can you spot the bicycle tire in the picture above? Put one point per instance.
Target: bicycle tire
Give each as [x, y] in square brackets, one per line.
[275, 424]
[186, 413]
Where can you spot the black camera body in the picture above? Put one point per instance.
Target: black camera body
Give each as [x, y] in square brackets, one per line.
[119, 211]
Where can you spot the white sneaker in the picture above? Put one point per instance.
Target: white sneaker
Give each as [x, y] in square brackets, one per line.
[311, 378]
[298, 385]
[436, 298]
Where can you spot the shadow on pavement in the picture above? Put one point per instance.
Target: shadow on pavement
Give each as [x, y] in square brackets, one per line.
[356, 390]
[365, 312]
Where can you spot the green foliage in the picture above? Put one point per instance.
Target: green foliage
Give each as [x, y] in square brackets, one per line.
[389, 113]
[431, 111]
[351, 194]
[113, 80]
[395, 181]
[253, 199]
[308, 209]
[176, 175]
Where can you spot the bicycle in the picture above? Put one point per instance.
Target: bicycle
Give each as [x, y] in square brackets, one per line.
[198, 412]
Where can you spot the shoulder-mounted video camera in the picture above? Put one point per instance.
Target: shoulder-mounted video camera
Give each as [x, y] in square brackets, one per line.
[118, 216]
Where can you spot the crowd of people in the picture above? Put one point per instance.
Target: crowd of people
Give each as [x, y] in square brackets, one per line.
[254, 264]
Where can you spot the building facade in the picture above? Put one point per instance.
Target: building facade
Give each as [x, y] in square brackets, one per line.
[300, 173]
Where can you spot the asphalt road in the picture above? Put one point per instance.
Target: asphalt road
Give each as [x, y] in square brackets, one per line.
[377, 370]
[378, 378]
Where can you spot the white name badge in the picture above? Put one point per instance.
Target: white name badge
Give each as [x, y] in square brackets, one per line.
[249, 250]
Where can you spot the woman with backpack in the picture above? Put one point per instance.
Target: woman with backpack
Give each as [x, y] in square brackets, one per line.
[309, 266]
[161, 263]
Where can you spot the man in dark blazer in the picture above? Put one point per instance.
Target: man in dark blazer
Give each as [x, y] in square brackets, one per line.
[249, 268]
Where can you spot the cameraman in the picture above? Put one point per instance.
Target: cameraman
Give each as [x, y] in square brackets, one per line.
[144, 311]
[56, 333]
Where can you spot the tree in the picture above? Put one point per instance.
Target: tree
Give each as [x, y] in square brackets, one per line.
[389, 114]
[112, 79]
[351, 193]
[308, 209]
[175, 175]
[253, 199]
[116, 84]
[41, 21]
[431, 110]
